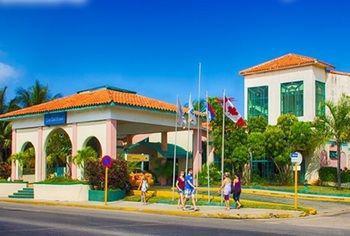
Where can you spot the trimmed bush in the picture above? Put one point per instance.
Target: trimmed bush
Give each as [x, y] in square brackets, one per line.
[118, 177]
[345, 176]
[5, 170]
[60, 180]
[328, 174]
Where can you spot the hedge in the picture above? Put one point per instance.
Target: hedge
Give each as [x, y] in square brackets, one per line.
[329, 174]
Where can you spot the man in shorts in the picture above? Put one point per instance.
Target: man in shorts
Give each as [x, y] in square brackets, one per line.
[190, 189]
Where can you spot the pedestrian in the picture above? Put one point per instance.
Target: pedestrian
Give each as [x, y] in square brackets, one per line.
[237, 190]
[226, 189]
[180, 185]
[190, 189]
[143, 186]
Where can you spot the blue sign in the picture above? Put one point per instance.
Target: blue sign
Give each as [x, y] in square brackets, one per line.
[58, 118]
[107, 161]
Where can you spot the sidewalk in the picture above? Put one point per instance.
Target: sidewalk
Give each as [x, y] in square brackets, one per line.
[166, 209]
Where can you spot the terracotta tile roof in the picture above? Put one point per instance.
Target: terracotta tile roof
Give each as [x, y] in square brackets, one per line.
[339, 72]
[284, 62]
[94, 98]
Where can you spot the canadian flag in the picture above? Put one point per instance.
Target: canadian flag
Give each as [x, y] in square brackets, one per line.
[232, 113]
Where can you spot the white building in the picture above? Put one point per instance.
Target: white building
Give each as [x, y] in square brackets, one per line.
[299, 85]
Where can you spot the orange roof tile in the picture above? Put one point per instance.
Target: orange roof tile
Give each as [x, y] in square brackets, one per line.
[94, 98]
[284, 62]
[339, 72]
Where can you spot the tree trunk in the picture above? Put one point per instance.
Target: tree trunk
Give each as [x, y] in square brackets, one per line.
[338, 165]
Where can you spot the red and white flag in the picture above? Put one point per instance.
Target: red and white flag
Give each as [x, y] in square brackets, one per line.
[232, 113]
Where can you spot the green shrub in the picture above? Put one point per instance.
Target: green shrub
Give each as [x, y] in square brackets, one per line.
[214, 173]
[118, 177]
[345, 176]
[61, 180]
[5, 170]
[328, 174]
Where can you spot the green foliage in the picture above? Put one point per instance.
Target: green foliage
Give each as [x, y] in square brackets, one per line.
[5, 170]
[328, 174]
[336, 125]
[61, 181]
[345, 176]
[214, 175]
[84, 155]
[118, 177]
[26, 159]
[164, 170]
[257, 124]
[256, 145]
[58, 150]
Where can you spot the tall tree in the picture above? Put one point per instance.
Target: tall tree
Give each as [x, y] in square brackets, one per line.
[5, 126]
[336, 125]
[36, 94]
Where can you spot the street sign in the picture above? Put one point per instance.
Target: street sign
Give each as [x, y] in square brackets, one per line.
[296, 158]
[107, 161]
[137, 157]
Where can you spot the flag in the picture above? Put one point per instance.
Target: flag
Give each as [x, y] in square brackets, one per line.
[210, 112]
[181, 121]
[191, 116]
[232, 113]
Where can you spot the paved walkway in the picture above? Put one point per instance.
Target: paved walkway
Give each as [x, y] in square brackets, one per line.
[166, 209]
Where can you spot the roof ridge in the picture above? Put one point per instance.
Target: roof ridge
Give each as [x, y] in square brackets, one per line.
[263, 63]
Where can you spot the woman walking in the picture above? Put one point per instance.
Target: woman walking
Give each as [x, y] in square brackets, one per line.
[226, 188]
[180, 185]
[237, 191]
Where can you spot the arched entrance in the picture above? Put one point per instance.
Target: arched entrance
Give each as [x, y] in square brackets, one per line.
[94, 144]
[58, 149]
[28, 168]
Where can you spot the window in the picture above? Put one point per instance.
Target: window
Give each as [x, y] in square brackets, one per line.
[258, 101]
[320, 98]
[292, 98]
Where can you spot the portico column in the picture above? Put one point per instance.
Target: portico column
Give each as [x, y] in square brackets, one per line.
[111, 142]
[39, 156]
[13, 151]
[74, 150]
[164, 143]
[197, 151]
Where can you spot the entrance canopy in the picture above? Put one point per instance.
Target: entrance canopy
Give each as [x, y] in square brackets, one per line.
[109, 115]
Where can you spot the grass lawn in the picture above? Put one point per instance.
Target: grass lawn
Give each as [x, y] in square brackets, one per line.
[308, 189]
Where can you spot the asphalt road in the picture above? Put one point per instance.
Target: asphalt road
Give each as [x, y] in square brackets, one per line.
[21, 219]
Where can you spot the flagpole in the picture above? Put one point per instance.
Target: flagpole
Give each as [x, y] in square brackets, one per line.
[208, 172]
[199, 136]
[174, 164]
[223, 140]
[188, 138]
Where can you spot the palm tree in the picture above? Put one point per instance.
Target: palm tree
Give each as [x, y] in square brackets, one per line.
[5, 126]
[36, 94]
[336, 125]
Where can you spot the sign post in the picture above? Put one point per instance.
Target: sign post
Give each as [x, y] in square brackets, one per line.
[296, 159]
[106, 163]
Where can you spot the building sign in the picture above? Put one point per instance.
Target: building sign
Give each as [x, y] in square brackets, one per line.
[137, 157]
[58, 118]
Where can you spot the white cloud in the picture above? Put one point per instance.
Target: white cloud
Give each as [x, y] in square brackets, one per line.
[42, 2]
[7, 72]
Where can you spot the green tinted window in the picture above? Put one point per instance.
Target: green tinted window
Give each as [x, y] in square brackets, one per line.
[258, 101]
[320, 98]
[292, 98]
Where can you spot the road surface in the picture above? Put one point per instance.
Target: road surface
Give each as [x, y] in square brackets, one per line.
[22, 219]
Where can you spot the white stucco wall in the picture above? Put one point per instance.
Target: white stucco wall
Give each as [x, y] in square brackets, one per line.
[74, 192]
[7, 189]
[336, 85]
[274, 80]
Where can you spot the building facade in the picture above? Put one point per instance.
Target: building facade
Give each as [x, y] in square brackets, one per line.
[297, 85]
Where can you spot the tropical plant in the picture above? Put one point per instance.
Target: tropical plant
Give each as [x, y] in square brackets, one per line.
[335, 124]
[118, 177]
[84, 155]
[26, 159]
[214, 175]
[5, 170]
[36, 94]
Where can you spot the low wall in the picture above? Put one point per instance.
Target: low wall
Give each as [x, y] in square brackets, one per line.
[7, 189]
[57, 192]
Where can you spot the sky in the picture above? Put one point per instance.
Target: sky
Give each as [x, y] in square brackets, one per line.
[154, 47]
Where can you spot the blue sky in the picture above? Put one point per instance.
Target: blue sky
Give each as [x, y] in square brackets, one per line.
[154, 47]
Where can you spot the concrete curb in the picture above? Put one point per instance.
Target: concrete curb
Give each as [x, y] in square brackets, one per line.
[159, 212]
